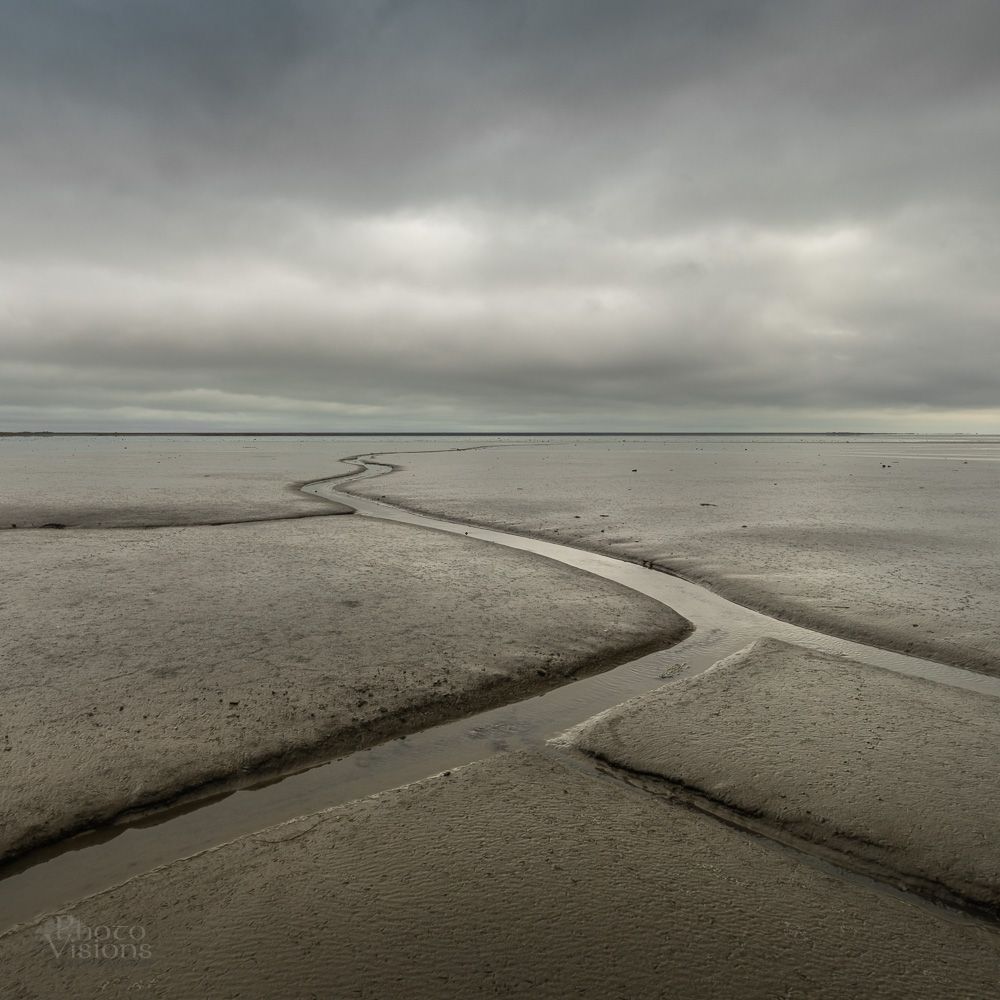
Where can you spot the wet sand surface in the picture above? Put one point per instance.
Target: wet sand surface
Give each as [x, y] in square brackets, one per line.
[893, 775]
[141, 665]
[540, 873]
[527, 875]
[887, 541]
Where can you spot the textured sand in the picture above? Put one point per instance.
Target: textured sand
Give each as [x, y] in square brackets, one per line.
[136, 664]
[523, 876]
[819, 533]
[896, 773]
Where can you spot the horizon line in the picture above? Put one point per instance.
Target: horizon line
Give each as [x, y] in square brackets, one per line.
[470, 433]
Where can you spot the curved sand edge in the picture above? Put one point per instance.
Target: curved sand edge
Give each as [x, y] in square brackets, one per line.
[889, 775]
[790, 609]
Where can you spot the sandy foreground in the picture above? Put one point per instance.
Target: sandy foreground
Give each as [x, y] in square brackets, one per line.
[139, 665]
[888, 543]
[527, 875]
[894, 775]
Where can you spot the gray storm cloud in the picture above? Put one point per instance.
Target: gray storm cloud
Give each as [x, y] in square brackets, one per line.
[433, 215]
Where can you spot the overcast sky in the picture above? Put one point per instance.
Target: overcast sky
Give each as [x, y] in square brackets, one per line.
[354, 214]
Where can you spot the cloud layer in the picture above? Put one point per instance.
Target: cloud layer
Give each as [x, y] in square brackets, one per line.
[457, 215]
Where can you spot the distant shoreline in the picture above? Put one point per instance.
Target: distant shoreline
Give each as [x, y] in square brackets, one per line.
[298, 434]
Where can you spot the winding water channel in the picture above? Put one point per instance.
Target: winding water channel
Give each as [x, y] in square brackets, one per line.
[48, 879]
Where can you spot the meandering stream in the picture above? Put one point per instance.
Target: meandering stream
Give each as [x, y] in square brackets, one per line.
[50, 878]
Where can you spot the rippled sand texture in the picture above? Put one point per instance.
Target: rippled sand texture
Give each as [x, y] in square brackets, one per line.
[135, 665]
[528, 875]
[894, 775]
[820, 532]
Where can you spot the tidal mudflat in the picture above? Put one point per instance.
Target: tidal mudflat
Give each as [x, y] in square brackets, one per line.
[892, 541]
[143, 665]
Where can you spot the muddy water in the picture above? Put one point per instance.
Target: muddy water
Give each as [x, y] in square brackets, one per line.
[50, 878]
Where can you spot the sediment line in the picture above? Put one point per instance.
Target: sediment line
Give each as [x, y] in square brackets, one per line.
[757, 823]
[493, 692]
[266, 519]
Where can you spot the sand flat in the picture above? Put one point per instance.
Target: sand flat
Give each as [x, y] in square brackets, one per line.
[527, 875]
[894, 773]
[135, 665]
[889, 542]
